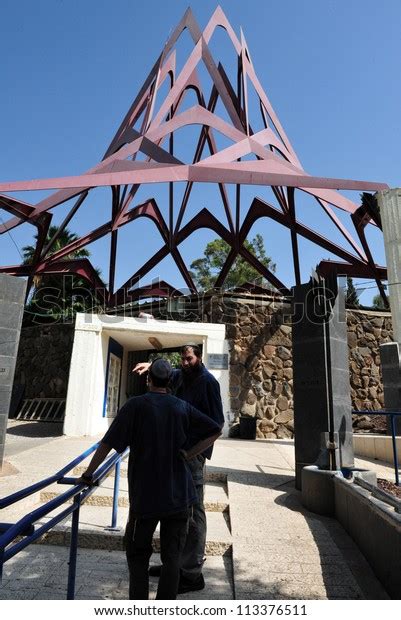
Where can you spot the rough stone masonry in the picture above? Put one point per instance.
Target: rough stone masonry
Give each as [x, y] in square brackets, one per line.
[261, 373]
[259, 335]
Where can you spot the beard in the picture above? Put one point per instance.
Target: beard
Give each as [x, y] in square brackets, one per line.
[188, 370]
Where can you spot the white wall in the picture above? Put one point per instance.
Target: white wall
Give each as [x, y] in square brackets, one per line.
[86, 387]
[85, 394]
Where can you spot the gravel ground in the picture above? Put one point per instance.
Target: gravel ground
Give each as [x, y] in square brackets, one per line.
[389, 487]
[377, 424]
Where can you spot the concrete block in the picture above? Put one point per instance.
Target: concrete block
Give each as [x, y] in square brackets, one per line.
[375, 528]
[11, 315]
[318, 490]
[380, 449]
[388, 450]
[12, 295]
[369, 447]
[360, 447]
[12, 289]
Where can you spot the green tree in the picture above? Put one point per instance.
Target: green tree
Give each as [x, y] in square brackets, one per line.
[351, 300]
[378, 303]
[58, 297]
[65, 238]
[206, 270]
[174, 357]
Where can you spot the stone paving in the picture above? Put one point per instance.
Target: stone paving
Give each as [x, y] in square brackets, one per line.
[279, 549]
[40, 572]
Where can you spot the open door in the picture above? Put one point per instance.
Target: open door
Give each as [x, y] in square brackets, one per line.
[136, 384]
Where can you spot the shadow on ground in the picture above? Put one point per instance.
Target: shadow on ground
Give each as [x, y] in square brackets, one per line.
[338, 569]
[35, 429]
[336, 546]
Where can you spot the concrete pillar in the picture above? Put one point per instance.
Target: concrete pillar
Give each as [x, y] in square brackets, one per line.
[322, 400]
[390, 211]
[389, 202]
[12, 298]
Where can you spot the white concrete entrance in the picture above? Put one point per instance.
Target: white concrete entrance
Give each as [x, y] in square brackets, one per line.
[101, 340]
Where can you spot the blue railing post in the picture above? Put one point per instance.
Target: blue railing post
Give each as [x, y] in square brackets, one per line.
[1, 564]
[395, 454]
[72, 570]
[115, 495]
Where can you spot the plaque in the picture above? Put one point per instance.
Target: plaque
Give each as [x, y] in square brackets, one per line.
[217, 361]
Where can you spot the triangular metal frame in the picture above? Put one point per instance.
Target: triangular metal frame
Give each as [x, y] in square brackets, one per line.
[276, 165]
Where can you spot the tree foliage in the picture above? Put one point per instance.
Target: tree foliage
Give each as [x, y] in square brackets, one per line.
[378, 303]
[65, 238]
[58, 297]
[351, 300]
[174, 357]
[205, 270]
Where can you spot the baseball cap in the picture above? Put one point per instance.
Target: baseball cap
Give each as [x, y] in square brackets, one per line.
[161, 369]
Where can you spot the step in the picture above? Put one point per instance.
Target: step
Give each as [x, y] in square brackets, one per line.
[216, 498]
[93, 532]
[212, 474]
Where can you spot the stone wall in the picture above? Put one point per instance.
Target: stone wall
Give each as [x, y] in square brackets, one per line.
[366, 332]
[261, 374]
[43, 362]
[259, 337]
[261, 377]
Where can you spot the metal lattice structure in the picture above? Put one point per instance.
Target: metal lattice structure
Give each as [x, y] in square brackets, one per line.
[149, 130]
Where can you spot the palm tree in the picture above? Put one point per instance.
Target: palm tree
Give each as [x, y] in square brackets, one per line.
[58, 297]
[64, 238]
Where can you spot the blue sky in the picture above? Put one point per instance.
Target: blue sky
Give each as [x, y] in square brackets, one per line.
[70, 70]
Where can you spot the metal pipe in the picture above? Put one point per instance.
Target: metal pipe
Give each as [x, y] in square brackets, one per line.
[42, 511]
[22, 524]
[395, 455]
[72, 570]
[8, 532]
[1, 564]
[115, 494]
[61, 516]
[6, 526]
[25, 542]
[15, 497]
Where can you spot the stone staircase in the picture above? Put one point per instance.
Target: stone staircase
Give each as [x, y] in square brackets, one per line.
[100, 547]
[96, 512]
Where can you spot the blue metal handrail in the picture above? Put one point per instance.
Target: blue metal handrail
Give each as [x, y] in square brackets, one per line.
[26, 528]
[38, 486]
[391, 413]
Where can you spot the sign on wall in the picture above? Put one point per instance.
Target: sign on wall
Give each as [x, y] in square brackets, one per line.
[217, 361]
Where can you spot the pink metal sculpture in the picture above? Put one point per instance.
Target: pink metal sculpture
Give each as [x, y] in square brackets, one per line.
[275, 165]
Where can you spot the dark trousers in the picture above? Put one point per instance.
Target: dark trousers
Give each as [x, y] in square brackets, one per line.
[193, 554]
[138, 545]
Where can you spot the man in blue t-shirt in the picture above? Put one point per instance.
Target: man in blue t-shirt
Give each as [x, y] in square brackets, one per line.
[198, 387]
[164, 433]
